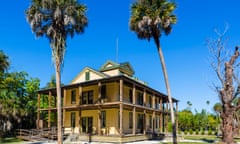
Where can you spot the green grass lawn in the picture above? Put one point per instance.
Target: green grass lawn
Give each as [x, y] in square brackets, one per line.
[206, 139]
[201, 137]
[11, 140]
[186, 143]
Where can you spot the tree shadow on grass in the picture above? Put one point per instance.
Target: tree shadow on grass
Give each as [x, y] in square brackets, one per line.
[208, 140]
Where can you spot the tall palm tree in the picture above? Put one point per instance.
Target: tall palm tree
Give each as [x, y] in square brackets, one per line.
[4, 62]
[149, 19]
[52, 82]
[57, 19]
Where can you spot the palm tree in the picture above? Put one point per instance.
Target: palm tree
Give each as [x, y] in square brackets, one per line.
[218, 110]
[189, 105]
[4, 62]
[207, 102]
[57, 19]
[52, 83]
[4, 65]
[149, 19]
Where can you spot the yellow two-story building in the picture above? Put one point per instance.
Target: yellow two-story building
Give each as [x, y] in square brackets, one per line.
[110, 105]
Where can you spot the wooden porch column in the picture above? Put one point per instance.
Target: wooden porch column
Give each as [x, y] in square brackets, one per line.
[121, 107]
[79, 95]
[79, 121]
[153, 122]
[38, 112]
[161, 103]
[99, 108]
[134, 109]
[153, 114]
[49, 108]
[145, 115]
[153, 101]
[144, 122]
[144, 98]
[80, 111]
[161, 124]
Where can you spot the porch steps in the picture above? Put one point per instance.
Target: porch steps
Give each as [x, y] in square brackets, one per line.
[72, 138]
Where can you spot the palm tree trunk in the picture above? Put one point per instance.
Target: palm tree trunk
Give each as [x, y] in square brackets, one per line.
[59, 102]
[164, 69]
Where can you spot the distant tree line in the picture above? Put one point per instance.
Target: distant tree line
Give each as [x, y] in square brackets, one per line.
[18, 98]
[198, 122]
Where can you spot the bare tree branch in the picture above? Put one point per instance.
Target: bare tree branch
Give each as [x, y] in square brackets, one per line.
[221, 34]
[236, 79]
[230, 89]
[217, 71]
[237, 65]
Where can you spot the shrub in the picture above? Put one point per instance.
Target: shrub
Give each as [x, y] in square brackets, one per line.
[190, 131]
[202, 132]
[179, 132]
[185, 132]
[197, 132]
[210, 132]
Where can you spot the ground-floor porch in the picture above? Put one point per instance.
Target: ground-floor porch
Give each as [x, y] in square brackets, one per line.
[109, 123]
[50, 134]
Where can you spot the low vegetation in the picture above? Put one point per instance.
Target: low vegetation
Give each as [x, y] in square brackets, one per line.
[11, 140]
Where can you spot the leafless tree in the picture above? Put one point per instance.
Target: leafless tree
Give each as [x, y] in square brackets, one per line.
[226, 68]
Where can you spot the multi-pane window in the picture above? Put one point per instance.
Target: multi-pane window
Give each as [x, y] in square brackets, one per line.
[130, 94]
[103, 92]
[73, 119]
[87, 123]
[87, 75]
[150, 101]
[103, 119]
[84, 124]
[156, 103]
[73, 97]
[140, 98]
[130, 120]
[150, 121]
[87, 97]
[140, 122]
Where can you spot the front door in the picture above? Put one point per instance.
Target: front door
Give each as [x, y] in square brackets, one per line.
[87, 124]
[140, 123]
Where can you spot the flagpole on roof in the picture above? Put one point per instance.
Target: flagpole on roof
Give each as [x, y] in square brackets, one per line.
[117, 50]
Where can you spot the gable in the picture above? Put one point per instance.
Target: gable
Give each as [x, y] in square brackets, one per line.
[112, 68]
[87, 74]
[127, 68]
[108, 65]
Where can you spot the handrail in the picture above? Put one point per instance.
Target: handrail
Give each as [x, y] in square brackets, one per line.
[36, 134]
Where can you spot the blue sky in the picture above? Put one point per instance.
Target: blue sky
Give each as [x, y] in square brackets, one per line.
[185, 50]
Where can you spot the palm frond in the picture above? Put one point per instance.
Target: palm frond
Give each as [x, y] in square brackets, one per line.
[149, 18]
[57, 19]
[4, 62]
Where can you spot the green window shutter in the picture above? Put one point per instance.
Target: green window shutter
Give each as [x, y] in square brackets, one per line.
[87, 76]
